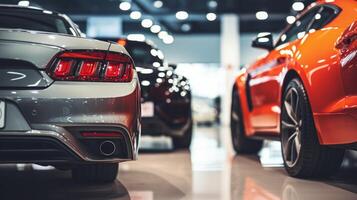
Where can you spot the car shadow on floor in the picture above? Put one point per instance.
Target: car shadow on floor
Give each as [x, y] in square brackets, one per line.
[346, 178]
[54, 184]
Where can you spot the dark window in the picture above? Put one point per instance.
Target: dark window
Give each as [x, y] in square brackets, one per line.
[323, 17]
[34, 21]
[298, 29]
[143, 54]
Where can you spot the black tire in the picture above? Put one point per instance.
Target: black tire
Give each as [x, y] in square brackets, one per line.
[95, 173]
[303, 155]
[184, 141]
[241, 144]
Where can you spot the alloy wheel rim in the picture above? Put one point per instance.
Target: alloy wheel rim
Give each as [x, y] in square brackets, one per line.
[291, 127]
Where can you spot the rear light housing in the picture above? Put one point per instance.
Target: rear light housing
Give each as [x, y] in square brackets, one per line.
[91, 66]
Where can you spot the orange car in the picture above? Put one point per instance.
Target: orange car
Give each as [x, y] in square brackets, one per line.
[303, 92]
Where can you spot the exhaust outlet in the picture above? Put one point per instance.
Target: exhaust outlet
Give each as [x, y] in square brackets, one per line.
[107, 148]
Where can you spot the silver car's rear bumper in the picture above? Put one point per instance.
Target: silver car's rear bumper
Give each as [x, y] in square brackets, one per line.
[60, 112]
[71, 149]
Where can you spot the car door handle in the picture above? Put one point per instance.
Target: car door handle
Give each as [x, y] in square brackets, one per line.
[347, 40]
[281, 60]
[348, 37]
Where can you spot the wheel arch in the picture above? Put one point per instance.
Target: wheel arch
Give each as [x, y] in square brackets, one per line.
[290, 75]
[239, 88]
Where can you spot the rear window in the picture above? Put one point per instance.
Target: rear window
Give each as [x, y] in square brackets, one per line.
[34, 21]
[143, 54]
[322, 18]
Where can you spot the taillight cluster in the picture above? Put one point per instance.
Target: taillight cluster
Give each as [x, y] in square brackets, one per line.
[92, 66]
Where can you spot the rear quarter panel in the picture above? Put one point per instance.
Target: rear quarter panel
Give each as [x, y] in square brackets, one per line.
[317, 62]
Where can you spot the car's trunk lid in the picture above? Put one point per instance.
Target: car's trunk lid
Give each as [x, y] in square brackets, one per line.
[24, 56]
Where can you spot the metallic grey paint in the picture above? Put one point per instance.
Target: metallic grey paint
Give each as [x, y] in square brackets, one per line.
[54, 109]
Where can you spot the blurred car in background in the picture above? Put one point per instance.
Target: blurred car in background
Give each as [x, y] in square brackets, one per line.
[65, 100]
[304, 92]
[204, 111]
[165, 95]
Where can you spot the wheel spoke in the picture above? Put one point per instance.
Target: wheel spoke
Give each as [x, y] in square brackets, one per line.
[292, 151]
[297, 144]
[235, 116]
[296, 104]
[287, 151]
[287, 125]
[290, 112]
[288, 146]
[292, 137]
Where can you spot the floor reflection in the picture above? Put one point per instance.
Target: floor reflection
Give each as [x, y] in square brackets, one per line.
[31, 183]
[209, 171]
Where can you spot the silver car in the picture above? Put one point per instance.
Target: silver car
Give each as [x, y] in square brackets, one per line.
[65, 100]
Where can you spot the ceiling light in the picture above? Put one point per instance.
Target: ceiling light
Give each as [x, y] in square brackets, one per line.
[211, 16]
[156, 64]
[212, 4]
[160, 54]
[47, 12]
[162, 34]
[301, 35]
[169, 39]
[125, 5]
[158, 4]
[24, 3]
[290, 19]
[159, 80]
[186, 27]
[263, 39]
[153, 52]
[155, 29]
[318, 16]
[146, 23]
[181, 15]
[298, 6]
[136, 37]
[147, 71]
[145, 83]
[261, 15]
[263, 34]
[135, 15]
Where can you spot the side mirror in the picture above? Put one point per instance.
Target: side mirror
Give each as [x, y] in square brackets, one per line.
[264, 42]
[173, 66]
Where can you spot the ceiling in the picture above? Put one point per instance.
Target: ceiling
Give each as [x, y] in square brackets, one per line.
[197, 23]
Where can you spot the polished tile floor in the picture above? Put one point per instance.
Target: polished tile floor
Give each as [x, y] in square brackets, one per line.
[210, 171]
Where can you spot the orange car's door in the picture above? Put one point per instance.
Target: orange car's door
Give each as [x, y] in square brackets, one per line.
[264, 89]
[264, 79]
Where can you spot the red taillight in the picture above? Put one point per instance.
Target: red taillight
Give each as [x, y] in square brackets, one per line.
[88, 68]
[92, 66]
[101, 134]
[113, 70]
[63, 68]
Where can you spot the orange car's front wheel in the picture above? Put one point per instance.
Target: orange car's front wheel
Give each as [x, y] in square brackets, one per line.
[241, 143]
[302, 153]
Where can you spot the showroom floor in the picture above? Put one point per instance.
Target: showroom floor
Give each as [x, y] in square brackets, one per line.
[210, 172]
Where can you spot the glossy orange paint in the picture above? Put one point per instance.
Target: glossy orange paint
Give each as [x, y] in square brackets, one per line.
[325, 61]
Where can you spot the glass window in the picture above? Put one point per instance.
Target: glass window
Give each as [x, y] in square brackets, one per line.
[323, 17]
[297, 30]
[34, 21]
[143, 54]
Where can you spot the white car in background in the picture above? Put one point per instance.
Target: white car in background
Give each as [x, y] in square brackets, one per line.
[204, 111]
